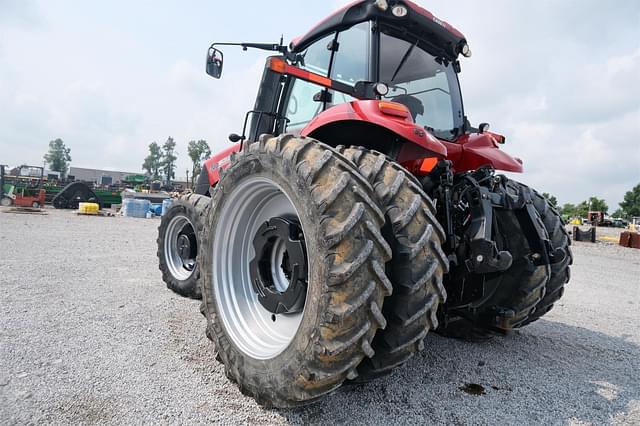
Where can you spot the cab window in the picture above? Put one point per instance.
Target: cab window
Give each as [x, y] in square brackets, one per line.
[301, 107]
[351, 62]
[350, 65]
[427, 85]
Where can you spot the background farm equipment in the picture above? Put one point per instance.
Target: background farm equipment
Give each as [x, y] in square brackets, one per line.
[23, 188]
[73, 194]
[596, 218]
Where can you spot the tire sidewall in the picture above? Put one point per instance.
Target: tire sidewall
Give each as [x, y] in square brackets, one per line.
[287, 363]
[189, 286]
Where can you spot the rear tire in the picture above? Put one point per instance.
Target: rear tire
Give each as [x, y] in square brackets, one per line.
[346, 282]
[510, 296]
[185, 216]
[416, 269]
[560, 271]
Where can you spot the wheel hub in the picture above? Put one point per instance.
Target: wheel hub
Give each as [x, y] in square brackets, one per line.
[181, 247]
[187, 249]
[279, 269]
[184, 247]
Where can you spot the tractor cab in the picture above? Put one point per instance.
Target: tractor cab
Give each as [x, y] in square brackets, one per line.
[393, 51]
[408, 55]
[376, 73]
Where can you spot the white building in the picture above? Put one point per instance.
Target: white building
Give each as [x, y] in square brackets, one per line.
[95, 175]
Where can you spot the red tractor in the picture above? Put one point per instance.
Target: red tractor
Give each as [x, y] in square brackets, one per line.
[357, 210]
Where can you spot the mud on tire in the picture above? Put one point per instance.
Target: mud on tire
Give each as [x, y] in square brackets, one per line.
[346, 279]
[188, 210]
[560, 242]
[417, 267]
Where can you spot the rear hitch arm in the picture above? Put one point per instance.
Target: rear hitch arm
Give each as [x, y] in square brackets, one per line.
[548, 254]
[485, 256]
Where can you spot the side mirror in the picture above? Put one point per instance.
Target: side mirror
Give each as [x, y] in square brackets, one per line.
[215, 59]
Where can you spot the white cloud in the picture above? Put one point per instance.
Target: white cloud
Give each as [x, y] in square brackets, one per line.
[559, 79]
[18, 12]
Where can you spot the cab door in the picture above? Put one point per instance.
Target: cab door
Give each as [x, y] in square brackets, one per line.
[342, 56]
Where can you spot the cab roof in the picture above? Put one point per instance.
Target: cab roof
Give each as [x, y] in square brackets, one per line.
[418, 21]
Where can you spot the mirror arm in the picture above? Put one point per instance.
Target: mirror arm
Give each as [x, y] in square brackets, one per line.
[272, 47]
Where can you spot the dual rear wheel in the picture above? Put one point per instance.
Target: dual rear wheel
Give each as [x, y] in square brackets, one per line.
[528, 289]
[298, 288]
[319, 265]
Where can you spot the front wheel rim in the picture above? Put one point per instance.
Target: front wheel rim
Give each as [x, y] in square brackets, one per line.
[180, 266]
[256, 331]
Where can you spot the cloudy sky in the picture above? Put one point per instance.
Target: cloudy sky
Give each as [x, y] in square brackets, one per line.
[561, 79]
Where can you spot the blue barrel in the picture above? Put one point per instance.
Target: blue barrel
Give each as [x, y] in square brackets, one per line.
[165, 205]
[156, 209]
[135, 208]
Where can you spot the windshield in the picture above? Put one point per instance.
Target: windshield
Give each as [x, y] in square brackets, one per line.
[426, 85]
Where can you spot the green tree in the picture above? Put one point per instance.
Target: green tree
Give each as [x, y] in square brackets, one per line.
[596, 204]
[569, 210]
[582, 209]
[552, 200]
[198, 152]
[619, 213]
[153, 161]
[169, 158]
[58, 157]
[631, 203]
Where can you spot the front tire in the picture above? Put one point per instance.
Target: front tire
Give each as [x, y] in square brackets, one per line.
[178, 244]
[287, 359]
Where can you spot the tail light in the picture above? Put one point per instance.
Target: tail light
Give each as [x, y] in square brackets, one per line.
[428, 164]
[421, 166]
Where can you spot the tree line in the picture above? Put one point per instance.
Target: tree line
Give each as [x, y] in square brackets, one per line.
[161, 161]
[628, 208]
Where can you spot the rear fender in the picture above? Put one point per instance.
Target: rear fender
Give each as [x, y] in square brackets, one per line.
[218, 162]
[366, 115]
[475, 150]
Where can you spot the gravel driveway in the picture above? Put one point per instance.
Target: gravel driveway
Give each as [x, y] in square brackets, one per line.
[89, 334]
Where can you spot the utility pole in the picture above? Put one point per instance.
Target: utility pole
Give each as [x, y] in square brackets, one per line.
[188, 186]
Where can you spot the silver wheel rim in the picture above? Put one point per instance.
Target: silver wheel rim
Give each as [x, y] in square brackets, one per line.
[178, 268]
[252, 328]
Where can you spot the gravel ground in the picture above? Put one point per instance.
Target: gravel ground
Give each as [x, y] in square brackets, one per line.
[89, 334]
